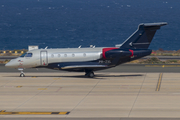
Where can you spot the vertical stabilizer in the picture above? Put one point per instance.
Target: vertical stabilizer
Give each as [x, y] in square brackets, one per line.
[142, 38]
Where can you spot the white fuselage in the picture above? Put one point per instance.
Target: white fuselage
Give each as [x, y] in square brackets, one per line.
[43, 57]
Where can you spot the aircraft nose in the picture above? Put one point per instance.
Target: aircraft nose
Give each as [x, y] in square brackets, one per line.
[10, 64]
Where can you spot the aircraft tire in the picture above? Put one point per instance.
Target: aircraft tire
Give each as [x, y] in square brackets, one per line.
[91, 74]
[22, 75]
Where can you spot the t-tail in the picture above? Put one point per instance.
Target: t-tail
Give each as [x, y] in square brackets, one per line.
[136, 46]
[142, 38]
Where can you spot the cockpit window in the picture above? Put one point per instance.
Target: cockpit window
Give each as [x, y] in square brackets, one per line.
[23, 55]
[26, 55]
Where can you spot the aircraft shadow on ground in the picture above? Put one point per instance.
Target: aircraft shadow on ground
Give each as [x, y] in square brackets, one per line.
[99, 76]
[131, 75]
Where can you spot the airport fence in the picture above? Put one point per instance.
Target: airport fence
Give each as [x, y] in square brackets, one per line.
[12, 52]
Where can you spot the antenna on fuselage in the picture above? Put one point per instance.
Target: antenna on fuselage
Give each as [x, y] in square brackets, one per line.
[91, 46]
[46, 47]
[79, 46]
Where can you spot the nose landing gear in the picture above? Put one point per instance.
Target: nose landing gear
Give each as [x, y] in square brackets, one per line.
[22, 73]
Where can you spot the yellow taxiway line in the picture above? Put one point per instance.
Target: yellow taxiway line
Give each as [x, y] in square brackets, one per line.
[3, 112]
[159, 82]
[162, 66]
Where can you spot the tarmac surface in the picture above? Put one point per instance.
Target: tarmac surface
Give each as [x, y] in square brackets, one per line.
[111, 95]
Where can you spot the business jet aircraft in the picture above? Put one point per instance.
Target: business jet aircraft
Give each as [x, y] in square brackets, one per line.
[90, 59]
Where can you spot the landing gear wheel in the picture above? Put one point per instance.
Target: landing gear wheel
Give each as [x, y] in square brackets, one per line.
[22, 75]
[90, 74]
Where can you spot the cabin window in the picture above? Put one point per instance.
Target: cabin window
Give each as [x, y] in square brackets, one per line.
[59, 55]
[84, 54]
[73, 55]
[65, 55]
[52, 55]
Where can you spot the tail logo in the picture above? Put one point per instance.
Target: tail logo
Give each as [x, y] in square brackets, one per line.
[132, 55]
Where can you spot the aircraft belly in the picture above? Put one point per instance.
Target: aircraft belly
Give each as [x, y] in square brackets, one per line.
[81, 65]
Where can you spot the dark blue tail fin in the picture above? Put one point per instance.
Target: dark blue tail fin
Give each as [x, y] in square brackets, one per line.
[142, 38]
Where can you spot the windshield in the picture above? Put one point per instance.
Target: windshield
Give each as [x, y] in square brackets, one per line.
[26, 55]
[23, 55]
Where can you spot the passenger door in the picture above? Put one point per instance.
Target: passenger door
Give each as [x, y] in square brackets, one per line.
[43, 58]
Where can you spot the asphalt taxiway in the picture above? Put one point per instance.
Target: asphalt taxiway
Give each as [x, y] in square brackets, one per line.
[111, 95]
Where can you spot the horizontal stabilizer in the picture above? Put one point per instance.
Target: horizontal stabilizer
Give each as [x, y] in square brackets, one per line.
[154, 24]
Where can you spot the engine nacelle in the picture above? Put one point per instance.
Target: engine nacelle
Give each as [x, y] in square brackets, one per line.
[116, 52]
[133, 54]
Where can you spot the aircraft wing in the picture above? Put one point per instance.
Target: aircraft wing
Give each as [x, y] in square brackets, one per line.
[84, 66]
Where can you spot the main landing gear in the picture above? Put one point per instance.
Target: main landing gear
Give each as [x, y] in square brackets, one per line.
[89, 74]
[22, 73]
